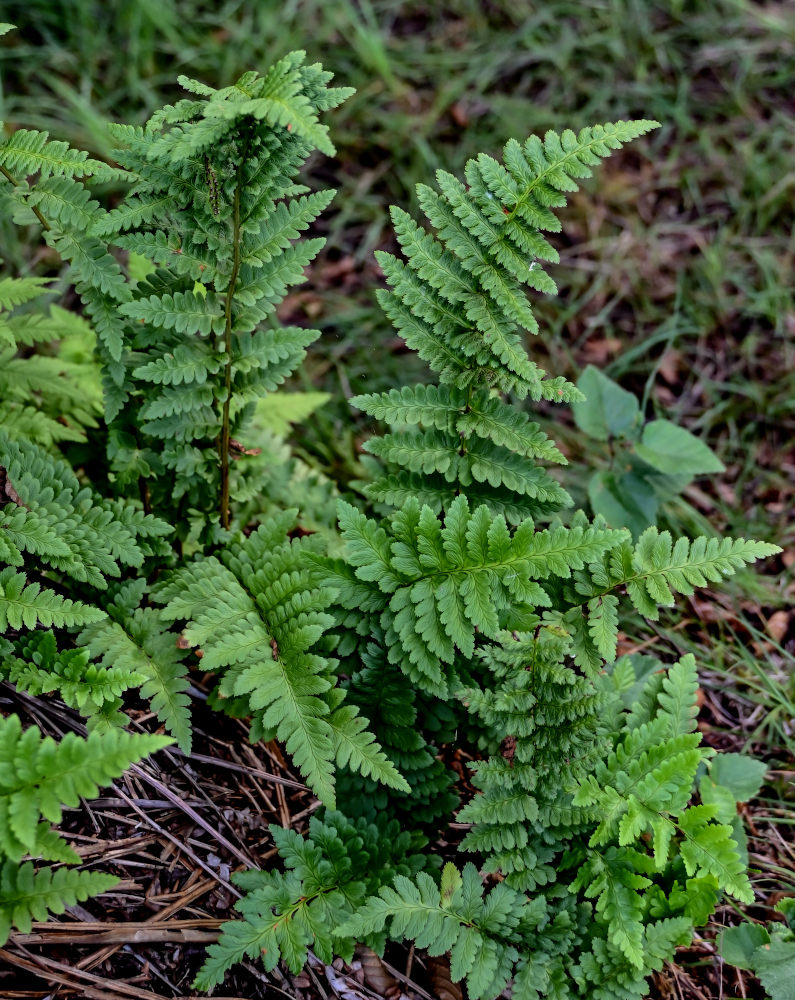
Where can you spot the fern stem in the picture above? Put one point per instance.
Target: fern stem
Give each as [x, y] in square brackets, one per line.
[230, 293]
[34, 208]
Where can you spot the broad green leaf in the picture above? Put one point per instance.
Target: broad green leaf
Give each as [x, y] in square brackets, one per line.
[786, 906]
[737, 945]
[774, 964]
[624, 502]
[741, 774]
[718, 796]
[608, 410]
[675, 451]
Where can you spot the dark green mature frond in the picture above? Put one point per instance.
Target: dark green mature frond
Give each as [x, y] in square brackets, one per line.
[440, 584]
[328, 874]
[133, 641]
[66, 525]
[479, 930]
[536, 712]
[36, 665]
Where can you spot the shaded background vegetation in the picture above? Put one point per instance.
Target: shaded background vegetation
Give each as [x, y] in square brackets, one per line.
[677, 264]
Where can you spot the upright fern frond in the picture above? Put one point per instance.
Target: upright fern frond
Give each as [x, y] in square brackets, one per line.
[459, 300]
[213, 206]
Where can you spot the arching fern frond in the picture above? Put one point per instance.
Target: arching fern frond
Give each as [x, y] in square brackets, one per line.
[257, 613]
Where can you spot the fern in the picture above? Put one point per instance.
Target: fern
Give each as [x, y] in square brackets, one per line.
[57, 526]
[26, 605]
[231, 154]
[36, 665]
[257, 613]
[479, 931]
[38, 777]
[211, 202]
[28, 894]
[132, 641]
[579, 798]
[44, 399]
[448, 581]
[328, 875]
[458, 615]
[459, 300]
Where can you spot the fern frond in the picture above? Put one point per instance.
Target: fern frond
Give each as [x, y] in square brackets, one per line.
[357, 749]
[257, 616]
[39, 667]
[39, 776]
[26, 152]
[476, 929]
[17, 291]
[709, 848]
[26, 605]
[149, 656]
[662, 568]
[27, 894]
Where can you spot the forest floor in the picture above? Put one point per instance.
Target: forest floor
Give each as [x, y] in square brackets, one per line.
[675, 279]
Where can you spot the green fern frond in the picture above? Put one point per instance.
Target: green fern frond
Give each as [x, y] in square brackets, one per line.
[25, 152]
[257, 616]
[328, 874]
[149, 656]
[24, 604]
[17, 291]
[477, 929]
[662, 568]
[28, 894]
[37, 666]
[39, 776]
